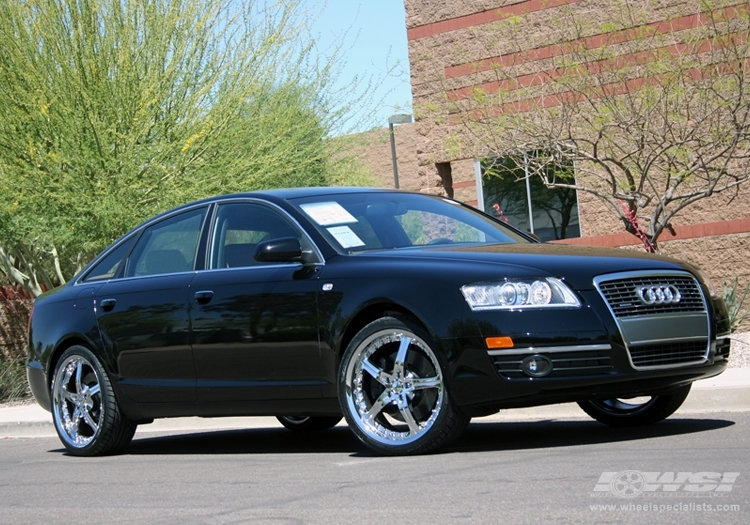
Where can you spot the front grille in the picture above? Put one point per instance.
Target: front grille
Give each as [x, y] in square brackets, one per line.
[668, 354]
[621, 295]
[564, 364]
[671, 332]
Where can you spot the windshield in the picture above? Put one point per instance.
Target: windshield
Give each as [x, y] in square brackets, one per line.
[374, 221]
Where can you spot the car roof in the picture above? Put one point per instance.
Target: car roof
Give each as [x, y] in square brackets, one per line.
[292, 193]
[272, 195]
[282, 194]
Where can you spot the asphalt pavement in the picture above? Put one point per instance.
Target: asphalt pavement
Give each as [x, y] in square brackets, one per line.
[728, 392]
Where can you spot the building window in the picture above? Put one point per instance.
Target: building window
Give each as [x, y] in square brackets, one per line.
[511, 192]
[446, 177]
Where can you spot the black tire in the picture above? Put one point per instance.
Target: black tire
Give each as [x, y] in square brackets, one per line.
[627, 413]
[85, 411]
[308, 423]
[393, 393]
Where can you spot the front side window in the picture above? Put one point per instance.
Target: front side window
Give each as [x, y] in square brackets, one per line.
[238, 229]
[524, 201]
[169, 246]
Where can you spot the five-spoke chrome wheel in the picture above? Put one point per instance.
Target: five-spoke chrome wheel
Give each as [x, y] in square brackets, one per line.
[86, 415]
[77, 401]
[392, 390]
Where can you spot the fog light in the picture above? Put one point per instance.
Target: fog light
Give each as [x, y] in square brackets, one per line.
[536, 366]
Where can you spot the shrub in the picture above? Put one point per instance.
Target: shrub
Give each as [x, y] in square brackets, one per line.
[15, 309]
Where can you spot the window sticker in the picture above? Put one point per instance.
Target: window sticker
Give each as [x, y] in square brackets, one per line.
[345, 236]
[327, 213]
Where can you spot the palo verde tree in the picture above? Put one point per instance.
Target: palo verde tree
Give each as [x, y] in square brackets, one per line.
[653, 114]
[114, 110]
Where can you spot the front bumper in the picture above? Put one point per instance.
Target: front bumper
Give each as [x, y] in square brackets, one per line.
[613, 346]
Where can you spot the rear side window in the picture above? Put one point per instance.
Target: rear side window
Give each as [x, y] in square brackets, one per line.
[109, 266]
[168, 246]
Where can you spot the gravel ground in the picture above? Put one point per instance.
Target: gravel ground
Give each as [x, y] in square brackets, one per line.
[739, 354]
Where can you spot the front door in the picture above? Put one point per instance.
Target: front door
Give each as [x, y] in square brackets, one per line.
[255, 334]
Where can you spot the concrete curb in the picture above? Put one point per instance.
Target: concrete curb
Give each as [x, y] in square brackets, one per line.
[728, 392]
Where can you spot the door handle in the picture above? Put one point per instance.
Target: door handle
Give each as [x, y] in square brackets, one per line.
[108, 304]
[204, 297]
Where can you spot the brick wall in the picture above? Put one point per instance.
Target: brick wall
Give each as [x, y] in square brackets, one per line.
[453, 47]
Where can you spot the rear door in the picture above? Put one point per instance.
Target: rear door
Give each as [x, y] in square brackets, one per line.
[143, 316]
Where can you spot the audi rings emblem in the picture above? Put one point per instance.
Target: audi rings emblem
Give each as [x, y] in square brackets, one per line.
[659, 294]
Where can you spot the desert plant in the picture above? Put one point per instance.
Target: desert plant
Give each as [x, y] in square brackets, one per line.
[735, 297]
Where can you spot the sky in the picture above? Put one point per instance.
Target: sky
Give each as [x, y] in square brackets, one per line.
[373, 36]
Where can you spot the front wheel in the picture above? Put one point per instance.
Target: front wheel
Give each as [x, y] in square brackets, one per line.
[308, 423]
[637, 411]
[392, 390]
[87, 417]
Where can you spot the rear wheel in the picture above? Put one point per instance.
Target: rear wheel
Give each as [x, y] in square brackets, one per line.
[636, 411]
[392, 390]
[308, 423]
[86, 414]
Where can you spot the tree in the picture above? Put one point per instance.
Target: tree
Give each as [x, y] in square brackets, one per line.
[500, 181]
[114, 110]
[654, 115]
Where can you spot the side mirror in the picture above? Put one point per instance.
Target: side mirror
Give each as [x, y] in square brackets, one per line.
[534, 236]
[283, 249]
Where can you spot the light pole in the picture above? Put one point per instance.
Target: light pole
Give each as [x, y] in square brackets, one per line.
[396, 119]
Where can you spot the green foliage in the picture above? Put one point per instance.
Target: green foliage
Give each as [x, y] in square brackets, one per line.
[114, 110]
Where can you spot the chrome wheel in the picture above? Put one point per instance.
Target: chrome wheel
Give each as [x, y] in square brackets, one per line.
[87, 417]
[393, 391]
[76, 401]
[396, 388]
[626, 407]
[635, 411]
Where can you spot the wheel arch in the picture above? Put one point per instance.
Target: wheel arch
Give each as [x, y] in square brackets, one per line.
[373, 312]
[62, 346]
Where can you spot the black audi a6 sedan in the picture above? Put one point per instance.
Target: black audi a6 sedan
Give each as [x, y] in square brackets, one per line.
[407, 314]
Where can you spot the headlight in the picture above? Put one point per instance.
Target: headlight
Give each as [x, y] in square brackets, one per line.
[548, 292]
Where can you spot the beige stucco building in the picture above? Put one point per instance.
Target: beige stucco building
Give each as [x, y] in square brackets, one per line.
[451, 49]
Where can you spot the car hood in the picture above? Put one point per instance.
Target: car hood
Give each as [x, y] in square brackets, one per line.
[578, 265]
